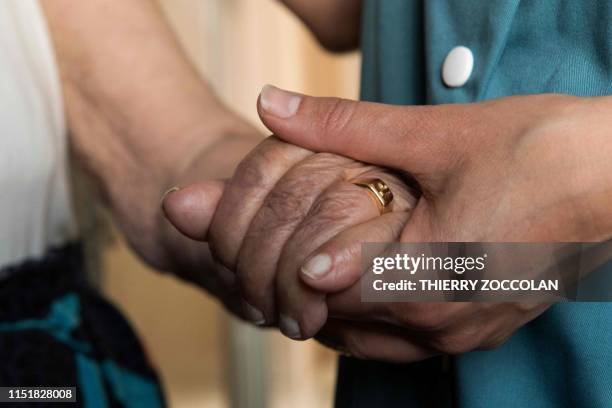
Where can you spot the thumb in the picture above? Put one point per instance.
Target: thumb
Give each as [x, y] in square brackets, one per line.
[416, 139]
[191, 209]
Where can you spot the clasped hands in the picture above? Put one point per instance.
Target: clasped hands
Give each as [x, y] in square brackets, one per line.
[286, 229]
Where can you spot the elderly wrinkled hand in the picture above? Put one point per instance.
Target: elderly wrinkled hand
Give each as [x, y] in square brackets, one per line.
[532, 168]
[282, 203]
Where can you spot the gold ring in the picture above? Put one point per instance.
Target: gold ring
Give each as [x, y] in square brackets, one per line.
[379, 191]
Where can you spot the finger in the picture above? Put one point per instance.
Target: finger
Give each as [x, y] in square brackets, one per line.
[281, 212]
[343, 256]
[342, 206]
[191, 209]
[499, 321]
[421, 140]
[371, 342]
[483, 326]
[425, 317]
[254, 178]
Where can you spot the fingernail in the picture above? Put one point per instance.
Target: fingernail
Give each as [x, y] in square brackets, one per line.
[290, 327]
[169, 191]
[279, 102]
[317, 266]
[253, 314]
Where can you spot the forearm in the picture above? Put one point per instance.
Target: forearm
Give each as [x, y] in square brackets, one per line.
[336, 24]
[140, 118]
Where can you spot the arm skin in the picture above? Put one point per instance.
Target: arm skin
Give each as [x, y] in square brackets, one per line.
[141, 119]
[336, 24]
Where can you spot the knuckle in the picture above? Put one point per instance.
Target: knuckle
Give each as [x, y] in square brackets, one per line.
[249, 174]
[254, 170]
[333, 207]
[292, 199]
[282, 208]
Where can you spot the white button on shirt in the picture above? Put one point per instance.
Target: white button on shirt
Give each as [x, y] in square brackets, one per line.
[457, 67]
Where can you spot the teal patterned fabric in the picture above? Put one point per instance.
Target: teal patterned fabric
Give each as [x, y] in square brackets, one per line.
[57, 331]
[96, 379]
[563, 358]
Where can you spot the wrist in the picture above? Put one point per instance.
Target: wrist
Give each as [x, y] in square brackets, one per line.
[216, 160]
[206, 156]
[210, 153]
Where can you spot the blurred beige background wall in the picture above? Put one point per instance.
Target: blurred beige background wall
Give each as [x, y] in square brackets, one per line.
[205, 357]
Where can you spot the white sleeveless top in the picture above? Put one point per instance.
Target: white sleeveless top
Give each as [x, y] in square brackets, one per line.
[35, 207]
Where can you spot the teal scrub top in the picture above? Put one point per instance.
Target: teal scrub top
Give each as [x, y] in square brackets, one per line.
[564, 357]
